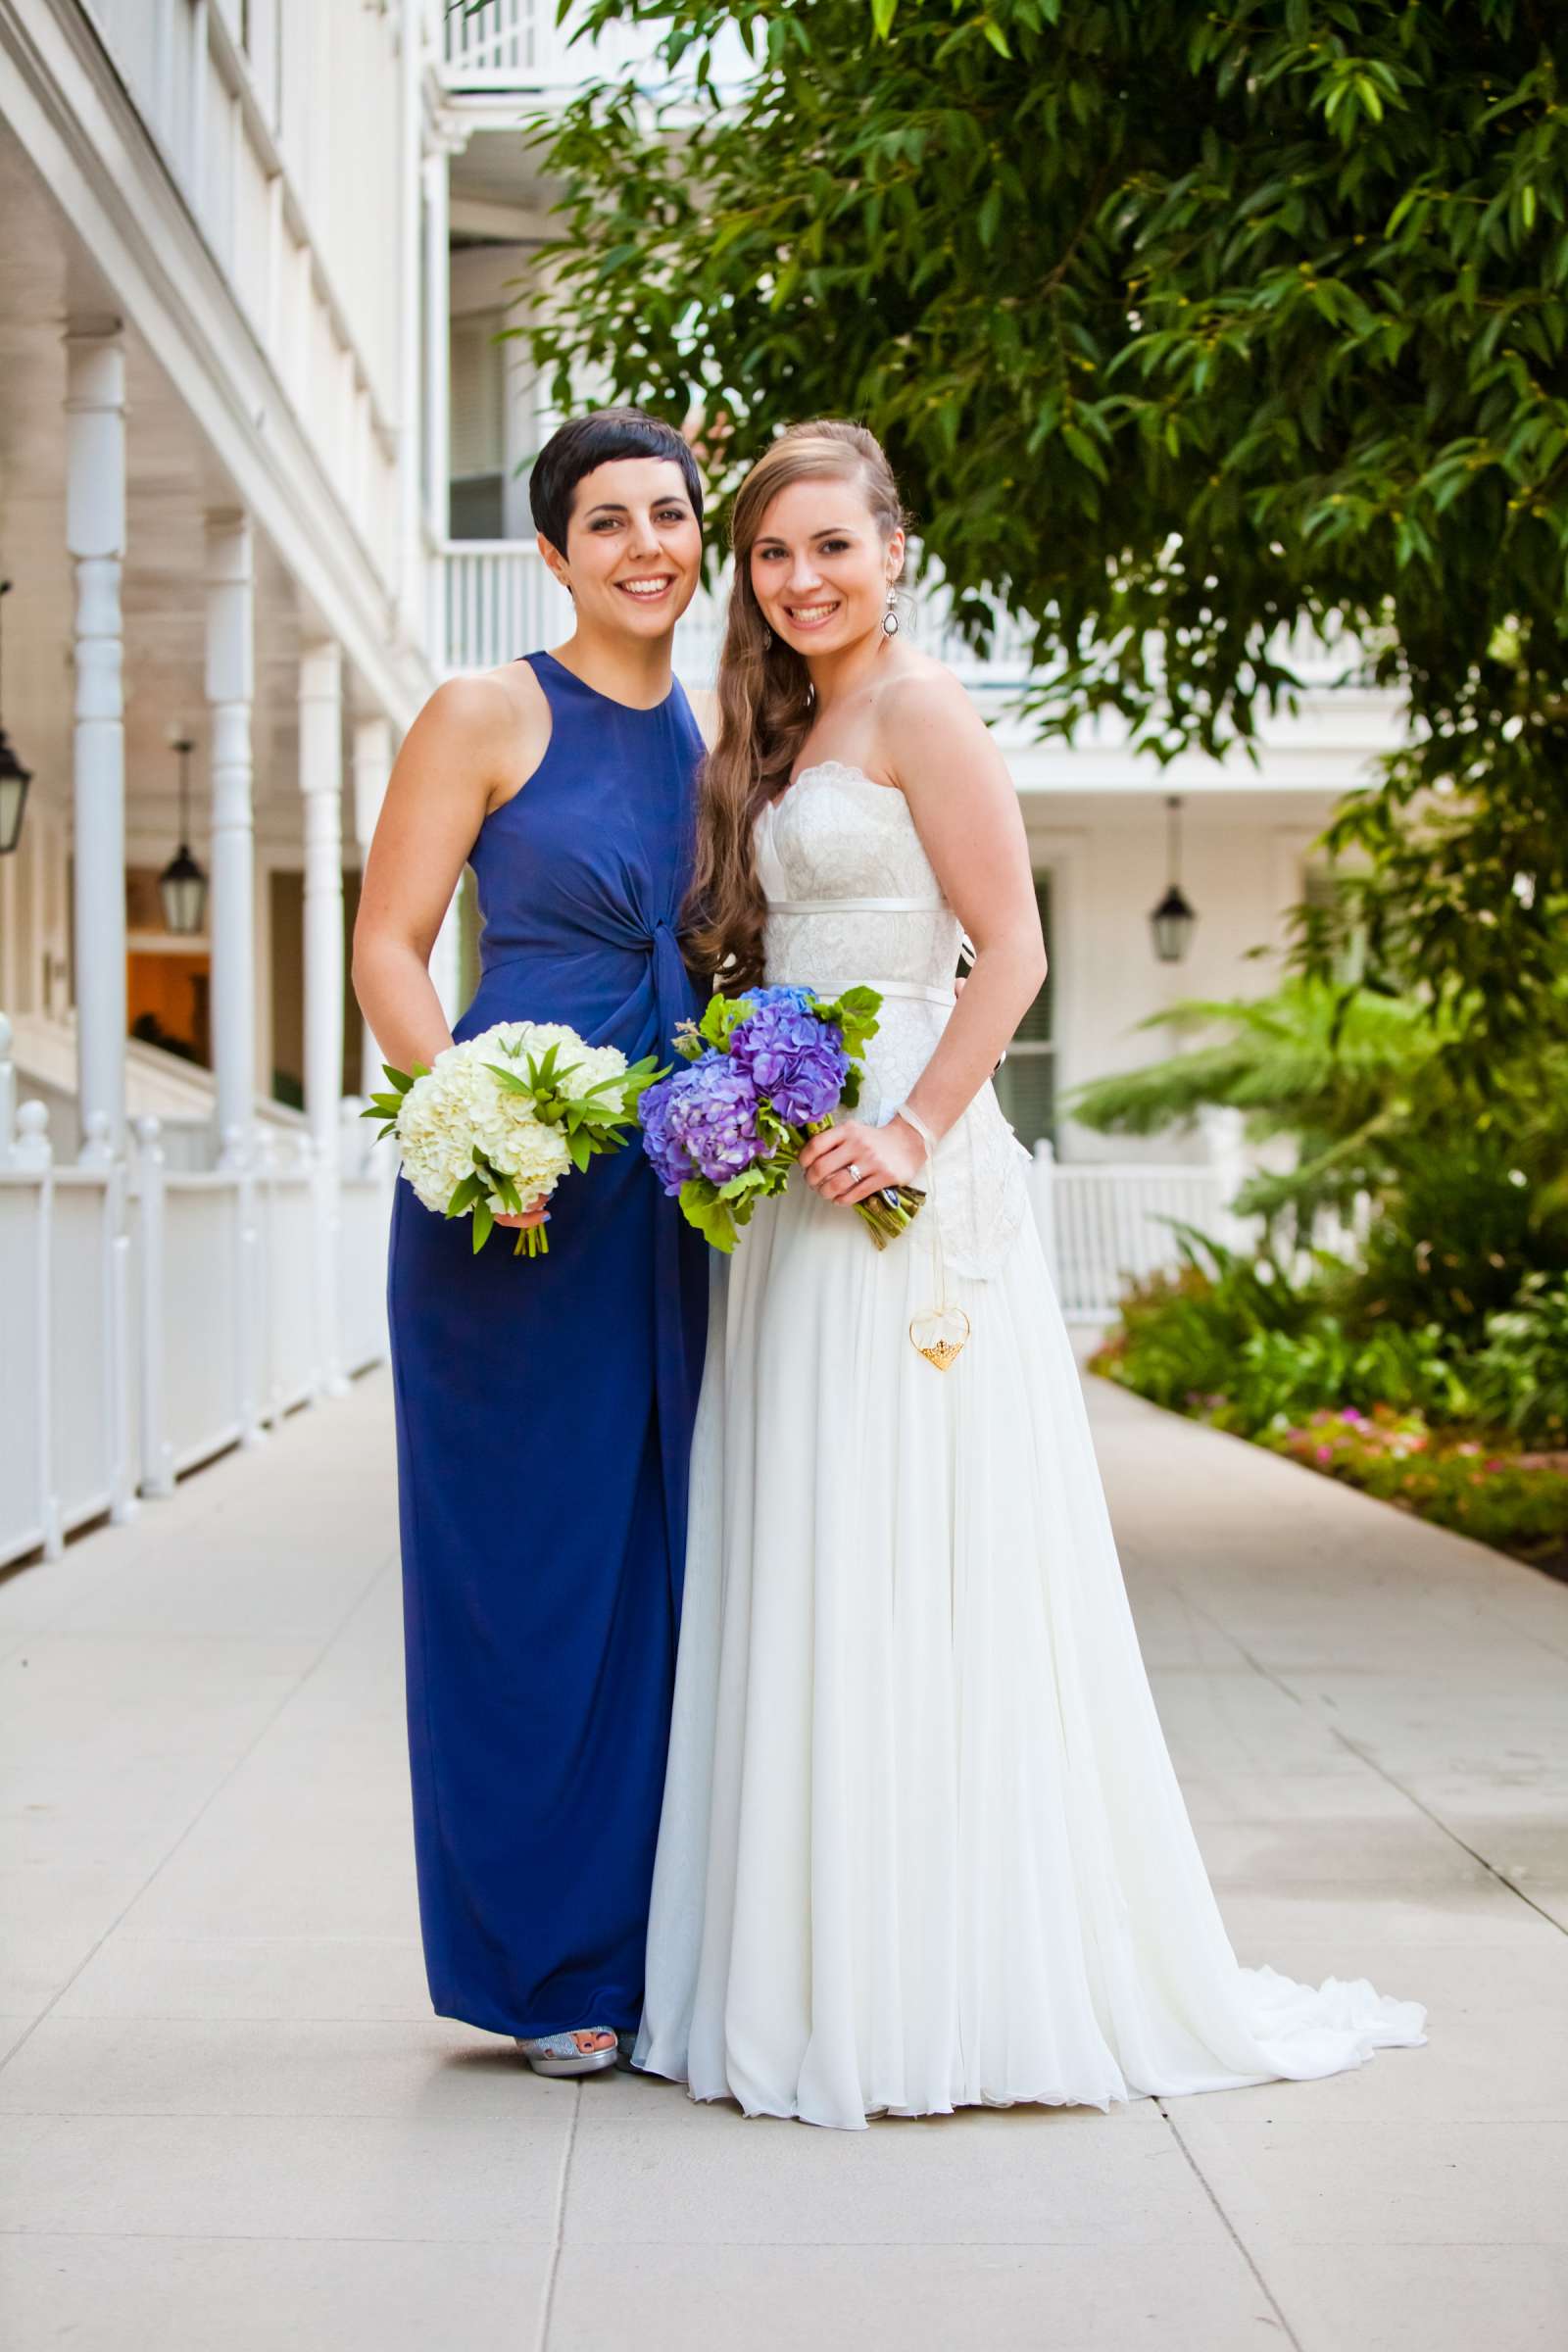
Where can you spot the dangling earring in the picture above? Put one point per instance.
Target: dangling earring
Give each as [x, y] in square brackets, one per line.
[890, 618]
[767, 640]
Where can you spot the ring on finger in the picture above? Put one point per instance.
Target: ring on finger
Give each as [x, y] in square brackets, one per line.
[856, 1176]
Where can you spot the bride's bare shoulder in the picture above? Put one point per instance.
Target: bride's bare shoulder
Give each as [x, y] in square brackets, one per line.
[922, 711]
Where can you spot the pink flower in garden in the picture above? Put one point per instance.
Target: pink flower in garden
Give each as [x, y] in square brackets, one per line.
[1325, 1453]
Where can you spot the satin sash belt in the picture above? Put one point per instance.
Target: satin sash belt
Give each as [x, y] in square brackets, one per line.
[858, 907]
[920, 989]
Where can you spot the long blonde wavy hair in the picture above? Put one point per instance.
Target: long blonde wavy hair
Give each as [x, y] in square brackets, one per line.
[765, 701]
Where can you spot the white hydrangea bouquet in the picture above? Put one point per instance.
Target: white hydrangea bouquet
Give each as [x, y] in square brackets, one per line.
[495, 1123]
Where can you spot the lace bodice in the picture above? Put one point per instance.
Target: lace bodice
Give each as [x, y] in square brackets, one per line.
[829, 851]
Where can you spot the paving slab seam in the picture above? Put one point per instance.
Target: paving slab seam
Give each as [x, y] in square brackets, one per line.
[547, 2301]
[382, 1567]
[1229, 2226]
[1391, 1779]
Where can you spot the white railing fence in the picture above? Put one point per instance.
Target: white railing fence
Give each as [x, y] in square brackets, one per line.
[500, 602]
[152, 1315]
[513, 44]
[1103, 1227]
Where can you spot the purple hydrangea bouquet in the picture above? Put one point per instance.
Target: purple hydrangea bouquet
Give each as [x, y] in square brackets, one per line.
[761, 1073]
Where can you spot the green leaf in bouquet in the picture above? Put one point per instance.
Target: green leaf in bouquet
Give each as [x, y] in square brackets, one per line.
[773, 1129]
[581, 1149]
[509, 1078]
[688, 1040]
[722, 1017]
[465, 1195]
[851, 1094]
[484, 1222]
[615, 1084]
[712, 1217]
[856, 1014]
[386, 1105]
[545, 1074]
[750, 1180]
[505, 1189]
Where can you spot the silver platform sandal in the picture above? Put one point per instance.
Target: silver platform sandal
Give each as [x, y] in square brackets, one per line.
[562, 2054]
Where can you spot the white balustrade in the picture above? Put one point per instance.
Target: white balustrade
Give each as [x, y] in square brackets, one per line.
[517, 44]
[29, 1503]
[151, 1316]
[1103, 1227]
[500, 600]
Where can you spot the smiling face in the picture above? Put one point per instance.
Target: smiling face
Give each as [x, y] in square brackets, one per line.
[819, 567]
[634, 547]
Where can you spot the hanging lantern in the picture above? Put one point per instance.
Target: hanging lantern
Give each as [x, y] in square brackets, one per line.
[1173, 919]
[182, 886]
[14, 782]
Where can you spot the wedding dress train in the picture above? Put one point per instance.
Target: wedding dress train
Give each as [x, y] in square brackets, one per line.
[923, 1845]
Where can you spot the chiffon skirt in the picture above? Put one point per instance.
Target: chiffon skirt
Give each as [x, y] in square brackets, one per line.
[923, 1845]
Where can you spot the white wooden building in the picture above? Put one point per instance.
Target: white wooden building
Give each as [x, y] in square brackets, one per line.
[259, 491]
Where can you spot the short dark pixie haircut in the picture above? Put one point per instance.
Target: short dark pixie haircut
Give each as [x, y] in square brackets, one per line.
[599, 439]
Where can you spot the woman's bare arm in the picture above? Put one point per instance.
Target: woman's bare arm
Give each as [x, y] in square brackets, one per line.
[965, 809]
[460, 757]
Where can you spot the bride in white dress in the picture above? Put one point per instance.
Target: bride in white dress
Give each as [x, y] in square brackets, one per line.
[923, 1845]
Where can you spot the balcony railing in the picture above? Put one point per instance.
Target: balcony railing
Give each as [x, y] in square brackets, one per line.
[500, 602]
[517, 44]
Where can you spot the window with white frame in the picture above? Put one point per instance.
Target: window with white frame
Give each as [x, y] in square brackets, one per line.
[1026, 1083]
[1324, 890]
[479, 427]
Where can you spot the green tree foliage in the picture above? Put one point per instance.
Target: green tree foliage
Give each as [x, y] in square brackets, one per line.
[1186, 326]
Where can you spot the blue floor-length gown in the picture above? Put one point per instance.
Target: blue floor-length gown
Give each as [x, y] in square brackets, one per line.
[544, 1414]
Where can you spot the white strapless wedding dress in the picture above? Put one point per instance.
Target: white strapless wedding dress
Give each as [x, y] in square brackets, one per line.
[923, 1845]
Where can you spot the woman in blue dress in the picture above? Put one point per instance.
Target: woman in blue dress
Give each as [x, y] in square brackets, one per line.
[544, 1405]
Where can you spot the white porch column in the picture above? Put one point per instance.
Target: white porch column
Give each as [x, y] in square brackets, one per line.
[411, 34]
[436, 176]
[95, 534]
[321, 699]
[373, 765]
[230, 691]
[436, 173]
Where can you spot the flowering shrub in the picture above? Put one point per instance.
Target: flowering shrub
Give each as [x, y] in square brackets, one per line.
[1519, 1501]
[1406, 1414]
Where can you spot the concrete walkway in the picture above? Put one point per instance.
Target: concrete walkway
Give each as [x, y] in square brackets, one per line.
[227, 2117]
